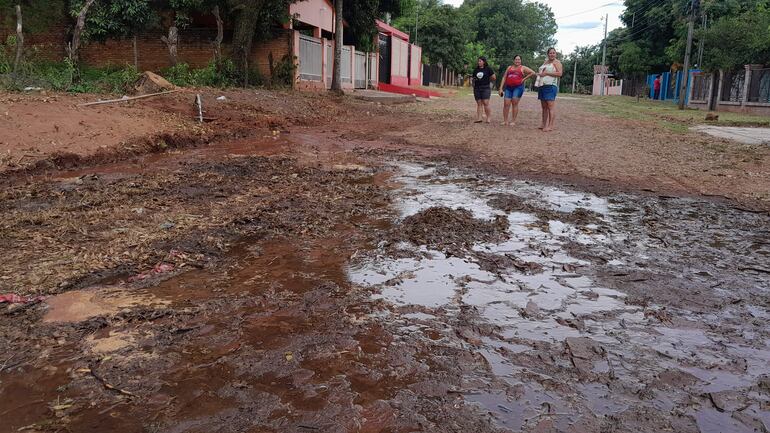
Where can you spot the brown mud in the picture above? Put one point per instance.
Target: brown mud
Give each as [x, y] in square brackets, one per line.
[312, 277]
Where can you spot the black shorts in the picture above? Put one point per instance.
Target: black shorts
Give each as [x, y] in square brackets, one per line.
[482, 92]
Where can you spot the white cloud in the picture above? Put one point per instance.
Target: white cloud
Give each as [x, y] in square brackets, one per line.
[573, 18]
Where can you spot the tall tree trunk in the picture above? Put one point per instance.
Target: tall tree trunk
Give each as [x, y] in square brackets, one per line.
[220, 36]
[172, 41]
[73, 47]
[136, 53]
[243, 34]
[19, 40]
[337, 70]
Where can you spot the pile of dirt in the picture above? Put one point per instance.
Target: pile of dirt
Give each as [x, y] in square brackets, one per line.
[450, 229]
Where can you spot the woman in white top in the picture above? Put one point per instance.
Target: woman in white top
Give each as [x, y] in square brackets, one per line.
[548, 85]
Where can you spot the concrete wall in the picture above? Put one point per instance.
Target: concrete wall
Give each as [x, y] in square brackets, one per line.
[195, 48]
[743, 106]
[317, 13]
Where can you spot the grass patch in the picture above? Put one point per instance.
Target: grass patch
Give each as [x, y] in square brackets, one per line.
[667, 114]
[62, 76]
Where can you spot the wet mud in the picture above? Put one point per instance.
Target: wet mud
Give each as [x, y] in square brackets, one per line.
[232, 289]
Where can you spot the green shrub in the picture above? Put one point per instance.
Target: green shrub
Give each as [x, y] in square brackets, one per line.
[213, 75]
[283, 72]
[64, 77]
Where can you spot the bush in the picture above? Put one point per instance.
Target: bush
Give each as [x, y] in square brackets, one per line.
[64, 77]
[283, 72]
[213, 75]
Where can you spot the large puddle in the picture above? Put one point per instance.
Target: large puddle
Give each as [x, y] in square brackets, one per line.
[566, 350]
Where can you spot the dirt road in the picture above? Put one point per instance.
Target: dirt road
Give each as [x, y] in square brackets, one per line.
[303, 264]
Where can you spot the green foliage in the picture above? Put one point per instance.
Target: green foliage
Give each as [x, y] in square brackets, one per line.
[441, 32]
[513, 27]
[471, 54]
[60, 76]
[38, 15]
[183, 9]
[283, 72]
[213, 75]
[6, 55]
[734, 41]
[738, 33]
[633, 60]
[116, 18]
[586, 57]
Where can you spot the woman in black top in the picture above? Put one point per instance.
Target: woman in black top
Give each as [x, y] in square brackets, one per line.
[482, 90]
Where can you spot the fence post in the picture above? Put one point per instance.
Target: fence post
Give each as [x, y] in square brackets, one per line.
[719, 89]
[746, 81]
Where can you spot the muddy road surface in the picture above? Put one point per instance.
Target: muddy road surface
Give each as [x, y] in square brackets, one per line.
[311, 278]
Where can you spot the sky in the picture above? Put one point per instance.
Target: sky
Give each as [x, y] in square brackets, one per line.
[580, 22]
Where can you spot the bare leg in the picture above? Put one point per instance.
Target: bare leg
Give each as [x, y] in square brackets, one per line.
[487, 110]
[544, 106]
[514, 110]
[479, 110]
[506, 108]
[551, 115]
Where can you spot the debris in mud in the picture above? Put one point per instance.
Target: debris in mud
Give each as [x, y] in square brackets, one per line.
[496, 263]
[17, 299]
[509, 203]
[514, 203]
[160, 268]
[448, 229]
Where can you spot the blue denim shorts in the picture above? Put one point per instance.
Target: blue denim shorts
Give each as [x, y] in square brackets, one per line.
[547, 93]
[513, 92]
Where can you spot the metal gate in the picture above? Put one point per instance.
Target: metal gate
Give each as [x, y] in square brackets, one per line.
[384, 60]
[347, 67]
[310, 64]
[360, 75]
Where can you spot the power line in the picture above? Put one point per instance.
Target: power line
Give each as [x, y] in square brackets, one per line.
[647, 7]
[589, 10]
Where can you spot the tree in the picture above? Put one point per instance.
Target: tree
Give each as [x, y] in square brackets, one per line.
[338, 34]
[442, 32]
[513, 27]
[73, 47]
[116, 19]
[183, 10]
[734, 41]
[586, 57]
[471, 54]
[359, 15]
[253, 19]
[633, 60]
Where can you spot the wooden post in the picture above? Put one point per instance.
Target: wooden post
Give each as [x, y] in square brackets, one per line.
[19, 40]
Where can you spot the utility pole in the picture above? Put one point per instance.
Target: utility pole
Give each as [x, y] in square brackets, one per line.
[701, 42]
[686, 71]
[574, 74]
[604, 53]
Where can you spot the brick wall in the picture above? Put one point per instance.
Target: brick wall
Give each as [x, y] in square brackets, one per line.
[195, 48]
